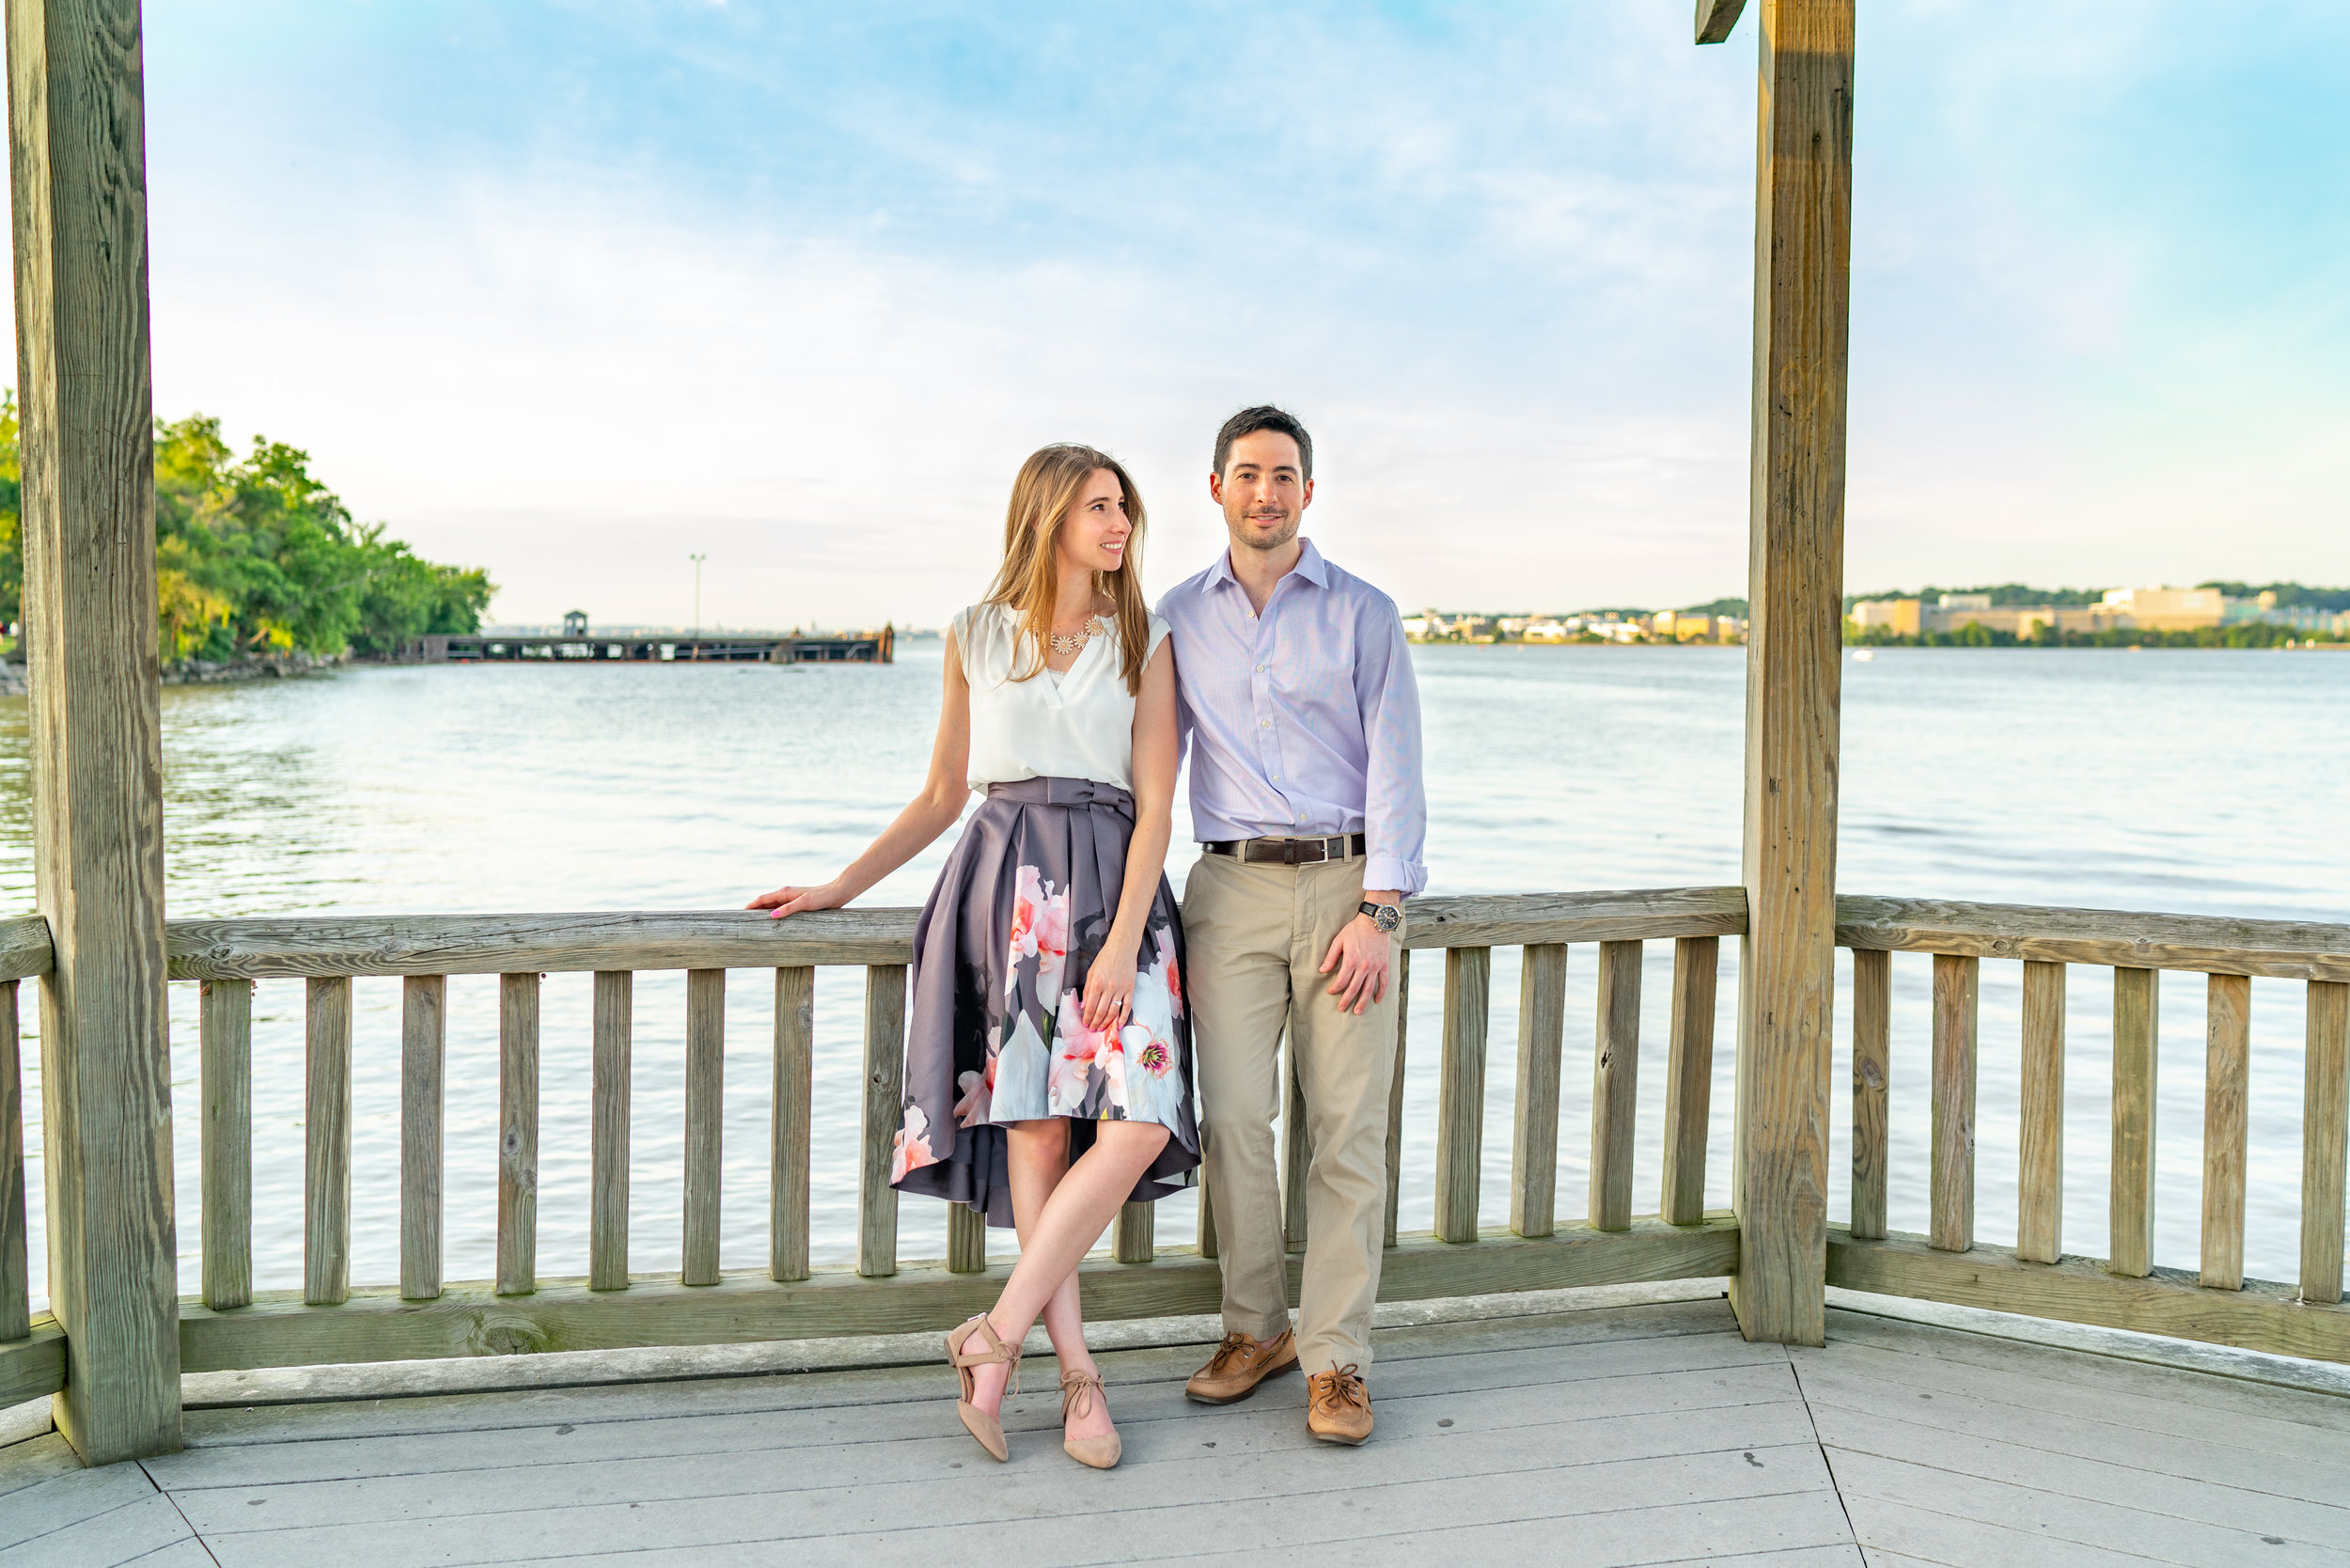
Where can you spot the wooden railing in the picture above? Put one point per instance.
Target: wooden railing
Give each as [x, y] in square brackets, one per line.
[231, 1326]
[2035, 1276]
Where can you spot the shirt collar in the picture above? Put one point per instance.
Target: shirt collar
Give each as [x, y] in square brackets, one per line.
[1310, 566]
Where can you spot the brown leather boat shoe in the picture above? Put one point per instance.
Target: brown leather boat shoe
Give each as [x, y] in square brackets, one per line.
[1239, 1364]
[1338, 1406]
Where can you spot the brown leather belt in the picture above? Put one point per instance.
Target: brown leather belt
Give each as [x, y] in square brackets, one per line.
[1289, 852]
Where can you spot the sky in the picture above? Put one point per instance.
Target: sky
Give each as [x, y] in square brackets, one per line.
[574, 291]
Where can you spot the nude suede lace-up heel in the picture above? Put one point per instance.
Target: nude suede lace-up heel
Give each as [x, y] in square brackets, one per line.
[1078, 1392]
[986, 1428]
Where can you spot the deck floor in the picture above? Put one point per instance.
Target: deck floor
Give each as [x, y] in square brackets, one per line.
[1635, 1435]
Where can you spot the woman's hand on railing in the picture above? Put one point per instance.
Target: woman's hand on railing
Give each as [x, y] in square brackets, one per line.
[1109, 994]
[793, 900]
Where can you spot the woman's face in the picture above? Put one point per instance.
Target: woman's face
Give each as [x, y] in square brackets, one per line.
[1094, 536]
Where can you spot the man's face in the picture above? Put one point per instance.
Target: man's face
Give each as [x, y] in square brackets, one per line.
[1263, 489]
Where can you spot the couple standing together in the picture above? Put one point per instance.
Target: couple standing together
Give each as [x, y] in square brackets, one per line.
[1062, 1001]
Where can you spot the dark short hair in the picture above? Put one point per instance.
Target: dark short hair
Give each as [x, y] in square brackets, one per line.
[1264, 416]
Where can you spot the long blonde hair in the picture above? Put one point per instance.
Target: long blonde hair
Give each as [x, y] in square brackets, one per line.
[1028, 582]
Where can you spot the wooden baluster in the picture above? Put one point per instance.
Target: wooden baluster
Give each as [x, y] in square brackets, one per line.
[1689, 1079]
[1951, 1225]
[16, 1309]
[1461, 1090]
[705, 1120]
[225, 1045]
[518, 1134]
[1130, 1237]
[2325, 1139]
[327, 1144]
[1534, 1135]
[1395, 1093]
[2040, 1186]
[1871, 1081]
[423, 1005]
[966, 1239]
[611, 1072]
[787, 1130]
[885, 1114]
[2137, 1003]
[1297, 1152]
[1615, 1085]
[1207, 1208]
[2227, 1084]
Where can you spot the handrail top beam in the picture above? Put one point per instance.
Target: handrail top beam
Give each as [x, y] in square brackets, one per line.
[2204, 943]
[283, 946]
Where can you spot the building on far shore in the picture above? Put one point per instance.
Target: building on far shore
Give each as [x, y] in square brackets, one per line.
[2128, 609]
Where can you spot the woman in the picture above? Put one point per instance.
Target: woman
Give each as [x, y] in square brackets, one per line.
[1049, 1058]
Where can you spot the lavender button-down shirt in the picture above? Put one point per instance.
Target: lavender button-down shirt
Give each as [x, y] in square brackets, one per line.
[1305, 720]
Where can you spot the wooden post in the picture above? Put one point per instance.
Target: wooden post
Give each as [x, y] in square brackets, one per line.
[2324, 1138]
[224, 1160]
[1461, 1090]
[16, 1312]
[1689, 1079]
[1787, 959]
[885, 1114]
[1133, 1236]
[610, 1079]
[1395, 1102]
[788, 1126]
[1951, 1224]
[423, 1039]
[2040, 1187]
[2227, 1089]
[518, 1134]
[1615, 1086]
[705, 1118]
[1534, 1138]
[78, 161]
[1872, 1078]
[326, 1143]
[2135, 1020]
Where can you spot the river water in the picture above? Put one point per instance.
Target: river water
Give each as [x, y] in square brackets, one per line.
[2193, 781]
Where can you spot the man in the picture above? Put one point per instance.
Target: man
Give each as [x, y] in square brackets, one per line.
[1296, 699]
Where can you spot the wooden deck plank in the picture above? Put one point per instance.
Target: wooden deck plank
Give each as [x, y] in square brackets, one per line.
[2080, 1524]
[1897, 1535]
[913, 1440]
[2055, 1426]
[2156, 1386]
[1610, 1375]
[62, 1501]
[1047, 1515]
[2182, 1504]
[2025, 1388]
[134, 1531]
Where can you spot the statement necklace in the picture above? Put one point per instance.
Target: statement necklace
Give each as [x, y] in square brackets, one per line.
[1076, 642]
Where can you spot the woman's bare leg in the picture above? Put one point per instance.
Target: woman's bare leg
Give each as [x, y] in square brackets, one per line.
[1062, 1213]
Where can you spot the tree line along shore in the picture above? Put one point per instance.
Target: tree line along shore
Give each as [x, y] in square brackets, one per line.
[257, 561]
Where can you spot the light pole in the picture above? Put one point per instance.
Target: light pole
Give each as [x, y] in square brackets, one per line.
[698, 601]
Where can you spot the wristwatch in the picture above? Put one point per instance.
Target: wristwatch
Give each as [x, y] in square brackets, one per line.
[1387, 917]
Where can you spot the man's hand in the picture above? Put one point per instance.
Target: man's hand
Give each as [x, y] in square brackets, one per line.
[1359, 955]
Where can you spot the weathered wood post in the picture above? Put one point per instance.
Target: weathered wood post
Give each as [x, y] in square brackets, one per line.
[1787, 961]
[77, 157]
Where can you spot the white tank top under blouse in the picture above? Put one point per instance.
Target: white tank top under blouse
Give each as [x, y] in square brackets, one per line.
[1081, 725]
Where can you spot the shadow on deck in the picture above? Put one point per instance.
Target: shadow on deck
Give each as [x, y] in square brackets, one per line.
[1640, 1434]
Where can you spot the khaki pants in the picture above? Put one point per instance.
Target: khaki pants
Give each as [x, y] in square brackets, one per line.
[1256, 938]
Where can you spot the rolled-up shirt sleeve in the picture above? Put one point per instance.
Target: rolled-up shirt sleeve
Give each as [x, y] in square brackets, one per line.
[1395, 807]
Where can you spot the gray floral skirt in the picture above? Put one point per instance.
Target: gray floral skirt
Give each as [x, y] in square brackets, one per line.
[994, 1031]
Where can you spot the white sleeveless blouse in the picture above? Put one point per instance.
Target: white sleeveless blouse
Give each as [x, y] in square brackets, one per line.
[1080, 726]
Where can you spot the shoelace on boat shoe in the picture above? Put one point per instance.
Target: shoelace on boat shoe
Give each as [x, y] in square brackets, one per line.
[1234, 1345]
[1344, 1387]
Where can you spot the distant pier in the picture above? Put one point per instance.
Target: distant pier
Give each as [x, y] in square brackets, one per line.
[855, 648]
